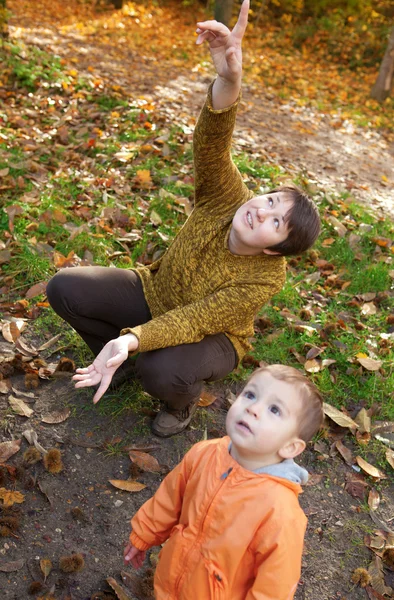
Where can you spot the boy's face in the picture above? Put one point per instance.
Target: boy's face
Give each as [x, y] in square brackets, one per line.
[263, 421]
[259, 224]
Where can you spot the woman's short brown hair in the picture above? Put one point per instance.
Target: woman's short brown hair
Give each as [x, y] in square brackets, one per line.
[311, 417]
[302, 220]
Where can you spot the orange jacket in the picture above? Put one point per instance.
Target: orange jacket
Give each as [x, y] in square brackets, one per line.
[232, 534]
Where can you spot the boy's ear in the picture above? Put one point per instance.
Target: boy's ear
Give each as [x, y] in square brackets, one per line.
[292, 448]
[271, 252]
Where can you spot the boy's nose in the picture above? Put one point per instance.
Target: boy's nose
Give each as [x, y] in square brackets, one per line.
[252, 410]
[261, 214]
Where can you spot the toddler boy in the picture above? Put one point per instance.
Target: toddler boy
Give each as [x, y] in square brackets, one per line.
[230, 509]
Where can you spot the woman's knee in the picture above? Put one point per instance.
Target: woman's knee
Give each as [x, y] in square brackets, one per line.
[163, 379]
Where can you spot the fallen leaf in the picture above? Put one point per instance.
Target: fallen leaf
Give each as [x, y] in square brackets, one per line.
[370, 469]
[314, 352]
[119, 589]
[127, 485]
[57, 416]
[373, 499]
[31, 437]
[389, 457]
[25, 394]
[8, 449]
[36, 290]
[338, 416]
[11, 497]
[338, 226]
[312, 366]
[5, 386]
[20, 407]
[15, 565]
[143, 178]
[370, 363]
[206, 399]
[50, 342]
[11, 331]
[46, 567]
[375, 570]
[145, 461]
[368, 309]
[356, 485]
[155, 218]
[345, 452]
[314, 479]
[363, 421]
[24, 348]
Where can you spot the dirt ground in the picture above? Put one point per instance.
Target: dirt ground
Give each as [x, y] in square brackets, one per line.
[78, 510]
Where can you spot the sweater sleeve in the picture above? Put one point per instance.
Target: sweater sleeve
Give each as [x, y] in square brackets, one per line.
[217, 179]
[278, 559]
[153, 523]
[230, 310]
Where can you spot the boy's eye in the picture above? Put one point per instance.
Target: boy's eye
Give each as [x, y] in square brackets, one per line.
[249, 395]
[275, 409]
[276, 223]
[270, 202]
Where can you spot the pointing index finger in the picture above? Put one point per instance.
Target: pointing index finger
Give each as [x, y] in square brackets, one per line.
[240, 26]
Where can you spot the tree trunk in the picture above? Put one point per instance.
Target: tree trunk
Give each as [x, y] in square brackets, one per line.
[381, 89]
[223, 11]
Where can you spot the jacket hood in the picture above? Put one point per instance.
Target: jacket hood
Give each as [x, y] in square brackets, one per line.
[286, 469]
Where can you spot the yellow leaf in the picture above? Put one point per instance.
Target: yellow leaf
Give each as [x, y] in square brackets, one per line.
[361, 355]
[384, 178]
[46, 566]
[206, 399]
[9, 497]
[127, 485]
[143, 177]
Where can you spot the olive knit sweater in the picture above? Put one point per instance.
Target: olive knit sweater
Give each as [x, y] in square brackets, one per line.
[198, 287]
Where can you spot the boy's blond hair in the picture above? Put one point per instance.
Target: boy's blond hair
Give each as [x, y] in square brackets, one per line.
[311, 417]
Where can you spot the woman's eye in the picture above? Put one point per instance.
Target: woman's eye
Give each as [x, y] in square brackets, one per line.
[275, 409]
[249, 395]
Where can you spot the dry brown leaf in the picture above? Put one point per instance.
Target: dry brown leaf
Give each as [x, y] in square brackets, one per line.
[390, 457]
[345, 452]
[145, 461]
[155, 218]
[127, 485]
[313, 352]
[11, 330]
[373, 499]
[370, 363]
[369, 308]
[356, 485]
[8, 449]
[11, 497]
[370, 469]
[119, 590]
[57, 416]
[206, 399]
[312, 366]
[20, 407]
[363, 421]
[50, 342]
[14, 565]
[46, 567]
[24, 394]
[36, 290]
[5, 386]
[32, 438]
[339, 417]
[375, 570]
[24, 348]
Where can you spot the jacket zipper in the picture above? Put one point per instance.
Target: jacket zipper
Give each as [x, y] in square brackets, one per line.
[223, 479]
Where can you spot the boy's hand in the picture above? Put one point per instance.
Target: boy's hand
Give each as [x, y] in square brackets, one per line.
[102, 369]
[133, 555]
[225, 45]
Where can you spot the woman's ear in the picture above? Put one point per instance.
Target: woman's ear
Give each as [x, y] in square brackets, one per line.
[292, 448]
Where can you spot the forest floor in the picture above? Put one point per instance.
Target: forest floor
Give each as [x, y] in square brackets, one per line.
[78, 510]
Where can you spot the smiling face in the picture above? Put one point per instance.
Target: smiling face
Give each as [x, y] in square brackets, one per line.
[263, 422]
[259, 224]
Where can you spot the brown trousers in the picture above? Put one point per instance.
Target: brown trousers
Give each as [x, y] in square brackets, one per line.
[100, 301]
